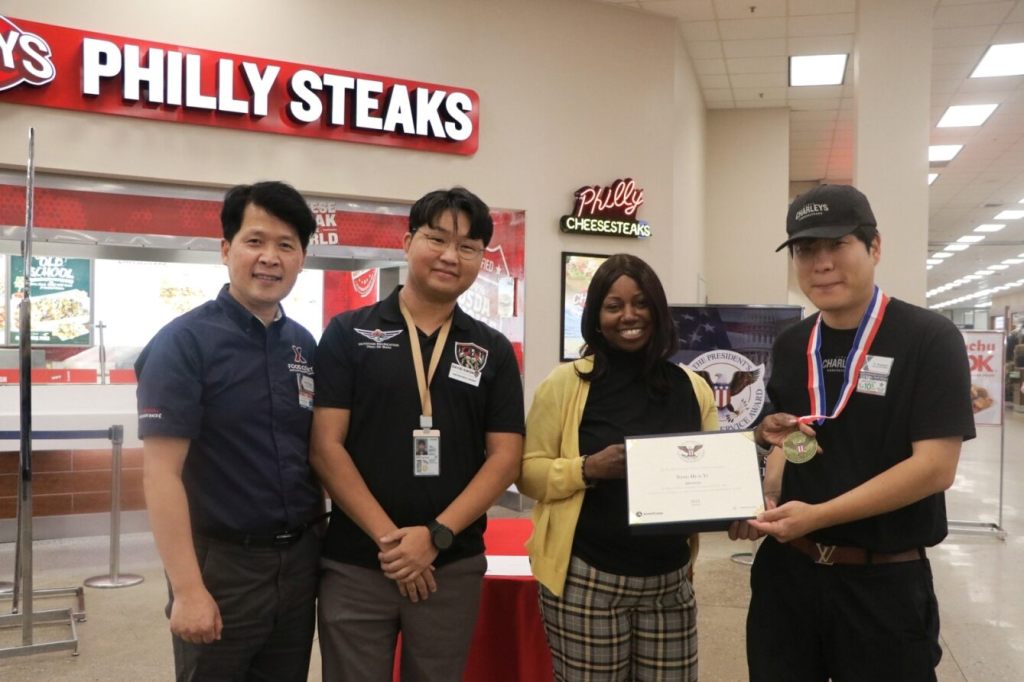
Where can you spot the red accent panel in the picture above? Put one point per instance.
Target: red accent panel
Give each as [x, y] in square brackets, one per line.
[122, 376]
[51, 376]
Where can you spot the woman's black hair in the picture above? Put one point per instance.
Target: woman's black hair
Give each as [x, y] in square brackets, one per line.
[664, 339]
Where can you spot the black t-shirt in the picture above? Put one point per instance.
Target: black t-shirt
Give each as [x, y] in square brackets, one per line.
[926, 395]
[364, 364]
[620, 404]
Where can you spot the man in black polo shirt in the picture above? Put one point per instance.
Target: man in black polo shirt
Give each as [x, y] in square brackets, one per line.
[412, 470]
[842, 588]
[225, 403]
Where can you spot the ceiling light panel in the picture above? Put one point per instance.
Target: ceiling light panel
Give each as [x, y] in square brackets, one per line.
[966, 115]
[1010, 215]
[1001, 60]
[817, 69]
[933, 176]
[971, 238]
[989, 227]
[957, 247]
[943, 152]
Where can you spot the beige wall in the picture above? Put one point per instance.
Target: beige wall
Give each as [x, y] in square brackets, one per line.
[747, 175]
[571, 93]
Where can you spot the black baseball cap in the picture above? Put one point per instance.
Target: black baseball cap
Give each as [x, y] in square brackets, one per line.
[827, 212]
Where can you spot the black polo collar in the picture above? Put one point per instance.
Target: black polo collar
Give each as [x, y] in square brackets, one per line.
[391, 312]
[239, 314]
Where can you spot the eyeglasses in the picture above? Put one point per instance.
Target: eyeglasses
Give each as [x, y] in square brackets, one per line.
[465, 250]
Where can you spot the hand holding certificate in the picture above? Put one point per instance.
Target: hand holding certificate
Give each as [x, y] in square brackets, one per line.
[692, 482]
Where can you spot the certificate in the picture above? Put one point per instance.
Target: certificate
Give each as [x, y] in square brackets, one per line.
[692, 482]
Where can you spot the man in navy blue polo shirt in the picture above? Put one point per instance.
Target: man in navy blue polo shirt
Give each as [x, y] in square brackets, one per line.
[417, 431]
[225, 403]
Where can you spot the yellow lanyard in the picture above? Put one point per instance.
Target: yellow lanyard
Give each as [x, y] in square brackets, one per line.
[423, 379]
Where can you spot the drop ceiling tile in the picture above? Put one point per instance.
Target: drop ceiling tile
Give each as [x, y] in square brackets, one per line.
[705, 49]
[718, 80]
[752, 29]
[768, 47]
[813, 104]
[760, 103]
[815, 115]
[685, 10]
[816, 92]
[971, 15]
[760, 81]
[1016, 14]
[699, 30]
[721, 105]
[1010, 33]
[799, 7]
[759, 65]
[822, 25]
[740, 9]
[716, 95]
[957, 37]
[837, 44]
[709, 66]
[968, 54]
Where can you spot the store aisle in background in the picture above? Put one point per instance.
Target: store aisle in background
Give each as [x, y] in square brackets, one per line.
[977, 578]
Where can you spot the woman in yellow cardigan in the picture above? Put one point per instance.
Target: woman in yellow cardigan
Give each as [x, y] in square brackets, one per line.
[615, 606]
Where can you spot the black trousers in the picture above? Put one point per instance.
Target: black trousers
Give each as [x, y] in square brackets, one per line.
[267, 601]
[810, 623]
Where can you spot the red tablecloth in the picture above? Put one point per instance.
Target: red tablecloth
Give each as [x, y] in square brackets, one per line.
[509, 643]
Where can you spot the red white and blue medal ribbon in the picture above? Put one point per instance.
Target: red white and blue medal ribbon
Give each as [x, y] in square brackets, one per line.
[869, 325]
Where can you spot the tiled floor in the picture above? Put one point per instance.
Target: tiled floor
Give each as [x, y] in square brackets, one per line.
[978, 578]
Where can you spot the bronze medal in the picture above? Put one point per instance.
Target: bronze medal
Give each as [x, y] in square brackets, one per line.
[798, 447]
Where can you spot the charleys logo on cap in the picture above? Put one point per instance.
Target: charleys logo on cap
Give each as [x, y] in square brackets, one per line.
[24, 57]
[811, 210]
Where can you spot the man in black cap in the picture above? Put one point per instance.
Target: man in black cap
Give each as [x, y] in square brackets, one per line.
[873, 402]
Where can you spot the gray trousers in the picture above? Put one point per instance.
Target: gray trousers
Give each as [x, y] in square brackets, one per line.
[361, 612]
[266, 598]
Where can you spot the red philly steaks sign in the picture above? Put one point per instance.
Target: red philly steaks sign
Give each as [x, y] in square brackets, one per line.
[66, 68]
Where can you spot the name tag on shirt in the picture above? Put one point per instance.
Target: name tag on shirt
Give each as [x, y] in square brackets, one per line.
[306, 391]
[874, 375]
[464, 374]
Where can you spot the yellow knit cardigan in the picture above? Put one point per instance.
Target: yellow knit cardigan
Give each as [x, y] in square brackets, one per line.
[552, 470]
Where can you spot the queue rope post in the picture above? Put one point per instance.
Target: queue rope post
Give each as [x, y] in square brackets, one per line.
[28, 618]
[115, 578]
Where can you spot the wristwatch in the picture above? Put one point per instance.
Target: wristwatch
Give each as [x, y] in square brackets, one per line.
[441, 535]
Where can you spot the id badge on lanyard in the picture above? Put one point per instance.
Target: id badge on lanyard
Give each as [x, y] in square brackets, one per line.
[426, 440]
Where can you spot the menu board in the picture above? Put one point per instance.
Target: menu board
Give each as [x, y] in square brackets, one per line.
[134, 299]
[61, 295]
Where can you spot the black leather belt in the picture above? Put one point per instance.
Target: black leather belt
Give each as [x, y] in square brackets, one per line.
[828, 555]
[283, 538]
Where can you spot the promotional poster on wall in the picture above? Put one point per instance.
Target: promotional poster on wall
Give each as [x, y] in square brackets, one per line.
[730, 347]
[985, 354]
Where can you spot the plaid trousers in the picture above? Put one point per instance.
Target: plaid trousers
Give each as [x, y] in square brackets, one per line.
[615, 628]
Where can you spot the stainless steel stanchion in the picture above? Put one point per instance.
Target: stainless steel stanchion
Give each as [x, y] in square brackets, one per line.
[115, 578]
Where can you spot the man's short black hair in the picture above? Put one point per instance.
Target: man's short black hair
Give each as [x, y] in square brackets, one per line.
[459, 199]
[279, 199]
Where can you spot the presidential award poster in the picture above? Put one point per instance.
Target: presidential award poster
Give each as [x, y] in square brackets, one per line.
[985, 355]
[730, 347]
[61, 292]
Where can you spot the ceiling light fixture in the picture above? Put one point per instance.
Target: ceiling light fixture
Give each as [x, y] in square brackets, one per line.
[932, 176]
[957, 247]
[989, 227]
[971, 238]
[942, 254]
[1010, 215]
[943, 152]
[1001, 60]
[998, 267]
[966, 115]
[817, 69]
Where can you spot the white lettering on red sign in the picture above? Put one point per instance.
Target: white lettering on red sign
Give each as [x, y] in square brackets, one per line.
[24, 58]
[171, 78]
